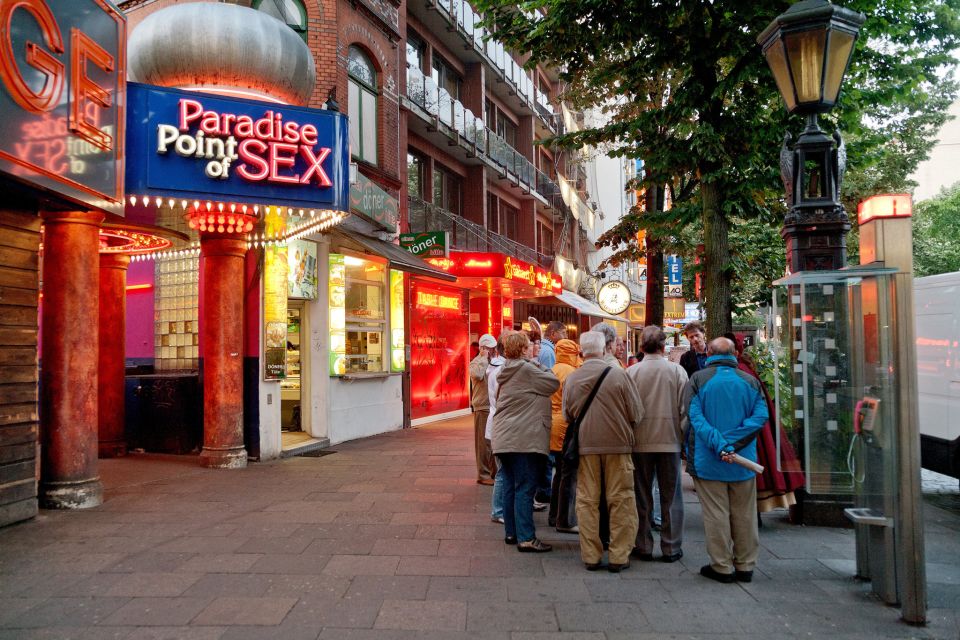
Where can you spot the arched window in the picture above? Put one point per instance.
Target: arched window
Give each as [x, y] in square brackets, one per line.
[362, 107]
[291, 12]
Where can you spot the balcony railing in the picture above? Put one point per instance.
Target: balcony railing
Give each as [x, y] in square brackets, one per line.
[467, 22]
[437, 102]
[469, 236]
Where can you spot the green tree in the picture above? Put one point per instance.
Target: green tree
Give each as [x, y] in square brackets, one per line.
[714, 133]
[936, 234]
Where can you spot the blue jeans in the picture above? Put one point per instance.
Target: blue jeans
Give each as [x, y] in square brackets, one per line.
[496, 507]
[521, 473]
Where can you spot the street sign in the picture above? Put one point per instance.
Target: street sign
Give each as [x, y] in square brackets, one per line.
[432, 244]
[674, 270]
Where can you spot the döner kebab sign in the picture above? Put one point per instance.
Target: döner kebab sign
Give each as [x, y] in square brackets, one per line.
[200, 146]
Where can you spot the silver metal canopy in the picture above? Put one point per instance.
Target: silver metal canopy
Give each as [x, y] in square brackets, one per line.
[222, 48]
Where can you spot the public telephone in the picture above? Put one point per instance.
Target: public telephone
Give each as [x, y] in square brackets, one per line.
[865, 415]
[864, 423]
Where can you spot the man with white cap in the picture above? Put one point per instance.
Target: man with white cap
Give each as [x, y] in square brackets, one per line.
[480, 401]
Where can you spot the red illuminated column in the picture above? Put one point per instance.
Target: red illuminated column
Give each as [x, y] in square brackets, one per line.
[68, 372]
[113, 330]
[222, 264]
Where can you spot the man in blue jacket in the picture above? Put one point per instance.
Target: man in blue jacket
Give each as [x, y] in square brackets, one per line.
[725, 411]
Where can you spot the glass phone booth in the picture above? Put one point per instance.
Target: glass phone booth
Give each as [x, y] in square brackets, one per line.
[837, 396]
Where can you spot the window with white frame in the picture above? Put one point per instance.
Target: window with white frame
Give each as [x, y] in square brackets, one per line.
[362, 105]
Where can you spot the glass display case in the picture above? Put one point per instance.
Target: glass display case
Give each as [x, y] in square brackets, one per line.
[835, 396]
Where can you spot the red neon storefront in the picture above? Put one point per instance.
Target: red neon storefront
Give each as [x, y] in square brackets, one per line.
[446, 320]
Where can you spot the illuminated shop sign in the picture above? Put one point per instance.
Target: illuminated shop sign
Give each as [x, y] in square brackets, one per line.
[62, 78]
[189, 145]
[497, 265]
[398, 348]
[433, 244]
[338, 314]
[438, 301]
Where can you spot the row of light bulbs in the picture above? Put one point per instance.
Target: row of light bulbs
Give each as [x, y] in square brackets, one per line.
[220, 207]
[327, 219]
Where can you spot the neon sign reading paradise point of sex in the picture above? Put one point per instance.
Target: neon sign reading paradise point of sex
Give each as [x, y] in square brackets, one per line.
[268, 147]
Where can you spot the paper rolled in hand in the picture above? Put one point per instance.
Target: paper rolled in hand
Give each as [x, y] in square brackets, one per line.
[743, 462]
[534, 325]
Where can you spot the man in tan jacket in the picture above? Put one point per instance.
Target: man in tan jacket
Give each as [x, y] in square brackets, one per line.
[480, 401]
[660, 384]
[606, 438]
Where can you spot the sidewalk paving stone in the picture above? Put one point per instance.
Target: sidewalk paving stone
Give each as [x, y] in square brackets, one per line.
[427, 615]
[511, 616]
[245, 610]
[389, 587]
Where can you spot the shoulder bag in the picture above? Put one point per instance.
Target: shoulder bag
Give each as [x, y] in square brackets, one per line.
[571, 440]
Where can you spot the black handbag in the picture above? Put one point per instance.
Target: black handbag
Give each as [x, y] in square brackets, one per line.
[571, 439]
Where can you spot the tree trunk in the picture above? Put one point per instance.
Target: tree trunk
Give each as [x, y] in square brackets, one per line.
[716, 263]
[654, 308]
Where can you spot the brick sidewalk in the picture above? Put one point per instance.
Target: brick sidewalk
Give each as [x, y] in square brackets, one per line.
[390, 538]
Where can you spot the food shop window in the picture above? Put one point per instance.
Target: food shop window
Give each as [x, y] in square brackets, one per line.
[365, 314]
[292, 12]
[363, 105]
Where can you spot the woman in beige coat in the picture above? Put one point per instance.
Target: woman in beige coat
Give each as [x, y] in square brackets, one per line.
[521, 437]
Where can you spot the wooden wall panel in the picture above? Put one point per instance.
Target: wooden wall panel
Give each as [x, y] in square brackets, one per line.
[19, 284]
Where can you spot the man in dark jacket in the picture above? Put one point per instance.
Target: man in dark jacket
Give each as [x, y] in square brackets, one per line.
[696, 358]
[725, 411]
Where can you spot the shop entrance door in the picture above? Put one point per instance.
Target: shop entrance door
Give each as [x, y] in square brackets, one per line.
[293, 387]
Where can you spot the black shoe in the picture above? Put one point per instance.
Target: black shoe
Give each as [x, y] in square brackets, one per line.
[646, 557]
[743, 576]
[510, 540]
[592, 566]
[534, 546]
[673, 557]
[617, 568]
[708, 572]
[551, 522]
[656, 526]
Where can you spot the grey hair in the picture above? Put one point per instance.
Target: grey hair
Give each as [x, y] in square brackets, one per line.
[721, 347]
[653, 339]
[592, 343]
[609, 333]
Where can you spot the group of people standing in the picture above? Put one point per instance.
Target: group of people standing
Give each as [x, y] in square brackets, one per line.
[608, 434]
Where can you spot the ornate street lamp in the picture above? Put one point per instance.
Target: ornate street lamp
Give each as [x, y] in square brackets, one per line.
[808, 49]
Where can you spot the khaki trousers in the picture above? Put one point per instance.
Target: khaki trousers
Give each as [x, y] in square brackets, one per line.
[730, 523]
[486, 466]
[615, 471]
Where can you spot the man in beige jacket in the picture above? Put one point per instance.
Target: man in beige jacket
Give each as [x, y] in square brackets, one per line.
[660, 384]
[606, 438]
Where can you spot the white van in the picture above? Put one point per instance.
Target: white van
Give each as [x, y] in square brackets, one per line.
[937, 314]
